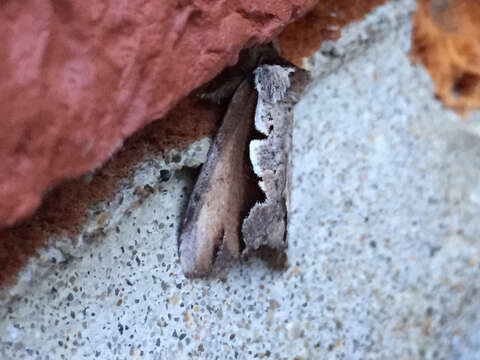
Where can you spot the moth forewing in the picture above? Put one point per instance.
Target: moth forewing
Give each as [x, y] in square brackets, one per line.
[224, 215]
[209, 235]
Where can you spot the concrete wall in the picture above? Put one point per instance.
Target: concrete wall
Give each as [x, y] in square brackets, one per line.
[383, 248]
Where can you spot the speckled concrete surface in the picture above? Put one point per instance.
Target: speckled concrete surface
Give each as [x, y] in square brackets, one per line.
[384, 254]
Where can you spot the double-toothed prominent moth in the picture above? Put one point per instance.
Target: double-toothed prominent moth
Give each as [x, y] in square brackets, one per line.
[241, 198]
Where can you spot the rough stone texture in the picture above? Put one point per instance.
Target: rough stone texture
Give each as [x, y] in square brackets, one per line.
[302, 38]
[67, 209]
[383, 249]
[446, 40]
[78, 77]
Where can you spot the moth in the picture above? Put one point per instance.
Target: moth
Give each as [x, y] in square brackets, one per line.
[240, 201]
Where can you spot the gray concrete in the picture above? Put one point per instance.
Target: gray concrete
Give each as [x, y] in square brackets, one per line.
[384, 253]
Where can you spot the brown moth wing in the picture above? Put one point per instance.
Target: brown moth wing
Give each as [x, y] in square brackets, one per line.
[211, 227]
[279, 90]
[222, 218]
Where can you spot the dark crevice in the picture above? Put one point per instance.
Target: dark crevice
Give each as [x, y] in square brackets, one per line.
[185, 215]
[218, 246]
[465, 84]
[275, 259]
